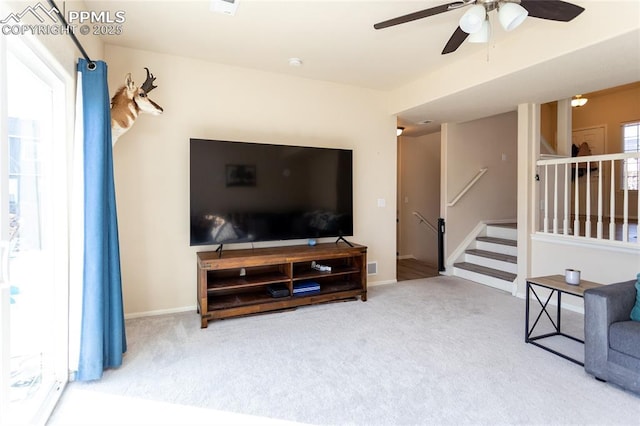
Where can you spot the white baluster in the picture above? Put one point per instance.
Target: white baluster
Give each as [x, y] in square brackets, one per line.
[587, 201]
[546, 201]
[576, 205]
[599, 200]
[555, 199]
[625, 202]
[638, 197]
[612, 203]
[567, 190]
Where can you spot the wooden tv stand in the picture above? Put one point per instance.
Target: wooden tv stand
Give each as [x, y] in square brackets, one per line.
[236, 282]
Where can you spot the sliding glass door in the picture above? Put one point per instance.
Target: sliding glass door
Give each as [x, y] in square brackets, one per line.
[34, 243]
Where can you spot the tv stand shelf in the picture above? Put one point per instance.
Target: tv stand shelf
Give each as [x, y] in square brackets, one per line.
[235, 283]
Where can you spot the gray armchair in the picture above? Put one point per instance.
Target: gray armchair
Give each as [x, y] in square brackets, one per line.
[612, 340]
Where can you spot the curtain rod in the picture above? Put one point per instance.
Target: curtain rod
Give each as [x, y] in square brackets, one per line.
[92, 64]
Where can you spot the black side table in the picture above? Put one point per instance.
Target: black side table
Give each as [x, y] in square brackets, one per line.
[557, 285]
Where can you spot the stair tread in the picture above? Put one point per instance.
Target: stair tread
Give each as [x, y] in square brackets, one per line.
[496, 240]
[507, 276]
[493, 255]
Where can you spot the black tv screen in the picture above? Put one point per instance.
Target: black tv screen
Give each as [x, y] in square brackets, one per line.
[246, 192]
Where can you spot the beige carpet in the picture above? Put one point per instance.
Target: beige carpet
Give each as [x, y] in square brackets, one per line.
[436, 351]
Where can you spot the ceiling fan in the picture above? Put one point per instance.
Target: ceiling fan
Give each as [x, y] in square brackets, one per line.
[475, 22]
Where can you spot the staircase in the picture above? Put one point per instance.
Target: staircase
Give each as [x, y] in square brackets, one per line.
[491, 259]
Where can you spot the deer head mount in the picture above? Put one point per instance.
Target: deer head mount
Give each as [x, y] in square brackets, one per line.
[128, 102]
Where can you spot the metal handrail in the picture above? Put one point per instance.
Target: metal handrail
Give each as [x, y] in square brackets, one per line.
[468, 187]
[425, 221]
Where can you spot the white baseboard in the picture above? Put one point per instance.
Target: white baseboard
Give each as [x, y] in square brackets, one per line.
[160, 312]
[499, 221]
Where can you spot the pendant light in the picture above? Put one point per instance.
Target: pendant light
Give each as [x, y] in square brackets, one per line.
[578, 101]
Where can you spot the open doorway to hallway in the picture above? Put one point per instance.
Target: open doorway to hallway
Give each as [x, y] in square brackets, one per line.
[418, 206]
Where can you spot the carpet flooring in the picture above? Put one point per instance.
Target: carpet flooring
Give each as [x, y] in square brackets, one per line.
[439, 350]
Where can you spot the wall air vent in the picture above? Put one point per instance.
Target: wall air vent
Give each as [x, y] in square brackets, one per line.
[226, 7]
[372, 268]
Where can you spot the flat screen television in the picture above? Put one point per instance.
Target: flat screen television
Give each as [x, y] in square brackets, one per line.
[250, 192]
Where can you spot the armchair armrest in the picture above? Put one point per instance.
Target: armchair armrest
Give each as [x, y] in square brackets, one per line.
[602, 307]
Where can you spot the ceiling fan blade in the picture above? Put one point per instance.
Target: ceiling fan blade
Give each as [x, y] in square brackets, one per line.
[457, 38]
[420, 14]
[555, 10]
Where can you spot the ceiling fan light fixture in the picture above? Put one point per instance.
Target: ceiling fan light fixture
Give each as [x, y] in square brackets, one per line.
[482, 35]
[511, 15]
[472, 20]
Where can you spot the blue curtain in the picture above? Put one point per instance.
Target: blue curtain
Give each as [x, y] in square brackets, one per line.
[102, 339]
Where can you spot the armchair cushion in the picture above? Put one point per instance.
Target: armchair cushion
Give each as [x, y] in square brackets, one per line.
[623, 337]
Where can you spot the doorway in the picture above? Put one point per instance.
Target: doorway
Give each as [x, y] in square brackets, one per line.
[418, 206]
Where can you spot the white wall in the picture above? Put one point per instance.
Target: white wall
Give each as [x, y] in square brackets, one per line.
[419, 190]
[552, 256]
[208, 100]
[468, 147]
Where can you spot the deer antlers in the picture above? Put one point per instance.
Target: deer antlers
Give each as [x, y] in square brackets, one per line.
[148, 86]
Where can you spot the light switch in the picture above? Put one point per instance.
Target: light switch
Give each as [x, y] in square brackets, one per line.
[382, 202]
